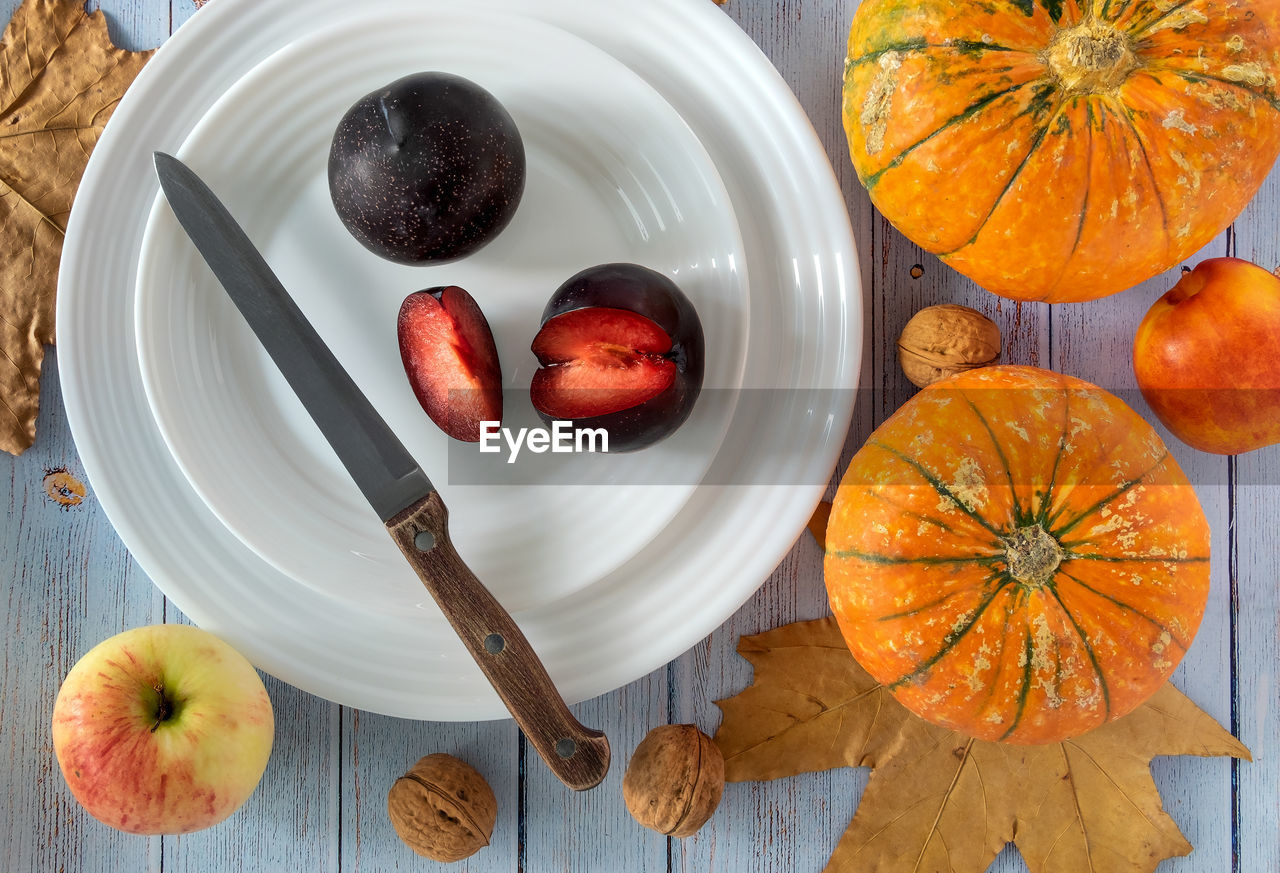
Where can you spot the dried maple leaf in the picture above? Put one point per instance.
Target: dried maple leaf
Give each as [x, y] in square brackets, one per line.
[60, 79]
[940, 801]
[818, 522]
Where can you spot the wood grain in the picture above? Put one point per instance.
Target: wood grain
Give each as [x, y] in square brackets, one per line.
[1255, 594]
[376, 749]
[67, 583]
[1096, 345]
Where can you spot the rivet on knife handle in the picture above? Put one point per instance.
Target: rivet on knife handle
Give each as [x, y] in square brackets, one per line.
[578, 755]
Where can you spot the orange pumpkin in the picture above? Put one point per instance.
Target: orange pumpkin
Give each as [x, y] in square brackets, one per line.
[1015, 555]
[1059, 150]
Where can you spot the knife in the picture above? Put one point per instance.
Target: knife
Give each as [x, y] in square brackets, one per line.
[390, 479]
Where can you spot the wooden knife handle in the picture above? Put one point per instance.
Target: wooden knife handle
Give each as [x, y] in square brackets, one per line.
[578, 755]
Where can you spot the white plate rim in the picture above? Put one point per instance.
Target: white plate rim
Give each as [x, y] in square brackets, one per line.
[721, 50]
[258, 524]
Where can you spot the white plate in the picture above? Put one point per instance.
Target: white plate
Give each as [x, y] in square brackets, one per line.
[614, 174]
[805, 332]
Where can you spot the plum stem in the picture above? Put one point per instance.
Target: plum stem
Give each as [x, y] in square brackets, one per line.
[397, 136]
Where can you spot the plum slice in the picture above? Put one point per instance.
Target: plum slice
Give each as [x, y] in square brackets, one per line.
[451, 360]
[599, 361]
[621, 349]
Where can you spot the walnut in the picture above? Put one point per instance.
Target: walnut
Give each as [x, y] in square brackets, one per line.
[674, 781]
[940, 341]
[443, 809]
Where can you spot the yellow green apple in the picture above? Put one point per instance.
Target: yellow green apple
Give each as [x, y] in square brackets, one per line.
[1207, 357]
[162, 730]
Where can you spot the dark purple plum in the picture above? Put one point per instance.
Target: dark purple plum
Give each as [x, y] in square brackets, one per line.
[426, 170]
[621, 348]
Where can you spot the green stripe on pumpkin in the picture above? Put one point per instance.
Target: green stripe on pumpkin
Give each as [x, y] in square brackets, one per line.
[926, 560]
[922, 44]
[1115, 601]
[936, 484]
[1054, 8]
[1046, 499]
[1128, 559]
[1088, 648]
[1143, 29]
[1038, 105]
[994, 684]
[919, 517]
[924, 607]
[1020, 519]
[960, 118]
[1024, 688]
[1205, 79]
[950, 640]
[1127, 118]
[1124, 489]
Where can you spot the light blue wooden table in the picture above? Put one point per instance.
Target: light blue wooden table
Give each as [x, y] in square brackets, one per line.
[67, 582]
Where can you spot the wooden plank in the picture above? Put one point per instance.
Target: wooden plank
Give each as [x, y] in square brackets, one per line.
[792, 824]
[135, 25]
[1094, 341]
[907, 279]
[67, 585]
[291, 820]
[1256, 594]
[592, 830]
[780, 826]
[1257, 654]
[179, 12]
[911, 279]
[62, 836]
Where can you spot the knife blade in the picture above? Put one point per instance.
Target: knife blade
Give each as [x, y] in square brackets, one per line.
[397, 489]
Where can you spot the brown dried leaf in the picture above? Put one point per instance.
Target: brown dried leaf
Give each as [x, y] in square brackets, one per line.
[940, 801]
[818, 523]
[60, 79]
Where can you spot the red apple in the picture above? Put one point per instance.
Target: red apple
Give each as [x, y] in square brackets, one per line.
[1207, 357]
[162, 730]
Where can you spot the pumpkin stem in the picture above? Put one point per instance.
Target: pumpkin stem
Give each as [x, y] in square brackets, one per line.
[1091, 58]
[1032, 555]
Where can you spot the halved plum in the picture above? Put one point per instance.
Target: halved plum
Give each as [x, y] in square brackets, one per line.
[621, 349]
[451, 360]
[599, 361]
